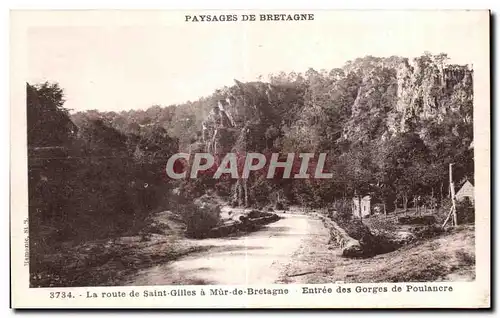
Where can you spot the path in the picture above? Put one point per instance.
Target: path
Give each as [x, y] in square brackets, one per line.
[257, 258]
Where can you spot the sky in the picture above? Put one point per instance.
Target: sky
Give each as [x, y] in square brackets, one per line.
[120, 61]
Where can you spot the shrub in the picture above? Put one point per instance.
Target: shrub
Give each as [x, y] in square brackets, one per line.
[341, 209]
[423, 220]
[465, 211]
[200, 218]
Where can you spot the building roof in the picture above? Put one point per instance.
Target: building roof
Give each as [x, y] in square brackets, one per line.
[467, 190]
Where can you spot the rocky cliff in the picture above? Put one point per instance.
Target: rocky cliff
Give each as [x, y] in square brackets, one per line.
[397, 94]
[367, 102]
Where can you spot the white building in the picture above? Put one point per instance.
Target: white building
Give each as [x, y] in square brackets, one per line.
[466, 191]
[365, 206]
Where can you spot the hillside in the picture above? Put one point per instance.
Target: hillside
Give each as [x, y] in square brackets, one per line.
[390, 126]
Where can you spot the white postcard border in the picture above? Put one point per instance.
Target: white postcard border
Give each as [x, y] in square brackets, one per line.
[470, 294]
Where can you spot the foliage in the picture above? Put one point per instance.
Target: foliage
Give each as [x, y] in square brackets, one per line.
[341, 210]
[86, 182]
[465, 211]
[389, 126]
[46, 101]
[201, 216]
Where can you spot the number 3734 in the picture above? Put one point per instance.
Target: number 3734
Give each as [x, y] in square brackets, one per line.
[61, 295]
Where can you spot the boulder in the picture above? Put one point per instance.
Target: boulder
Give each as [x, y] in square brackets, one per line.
[403, 237]
[352, 248]
[258, 214]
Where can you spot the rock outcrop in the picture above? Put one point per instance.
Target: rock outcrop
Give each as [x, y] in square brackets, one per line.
[350, 247]
[230, 127]
[396, 93]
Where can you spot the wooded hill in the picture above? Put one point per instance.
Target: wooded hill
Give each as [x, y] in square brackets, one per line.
[390, 127]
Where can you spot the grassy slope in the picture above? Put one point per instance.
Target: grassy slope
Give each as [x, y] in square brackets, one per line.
[448, 257]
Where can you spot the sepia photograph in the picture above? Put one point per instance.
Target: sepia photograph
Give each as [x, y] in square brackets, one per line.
[252, 149]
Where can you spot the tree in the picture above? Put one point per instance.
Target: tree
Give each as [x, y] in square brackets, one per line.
[47, 120]
[402, 161]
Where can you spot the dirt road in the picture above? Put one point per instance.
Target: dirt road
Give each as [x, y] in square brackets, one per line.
[257, 258]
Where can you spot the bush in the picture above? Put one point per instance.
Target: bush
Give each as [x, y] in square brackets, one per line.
[341, 209]
[426, 232]
[465, 211]
[423, 220]
[200, 218]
